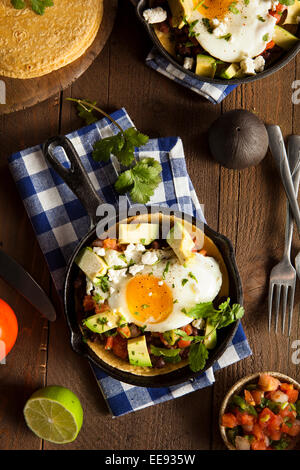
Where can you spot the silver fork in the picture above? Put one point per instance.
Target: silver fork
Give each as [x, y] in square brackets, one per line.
[283, 275]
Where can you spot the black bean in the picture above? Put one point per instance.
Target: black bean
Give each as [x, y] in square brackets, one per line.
[160, 363]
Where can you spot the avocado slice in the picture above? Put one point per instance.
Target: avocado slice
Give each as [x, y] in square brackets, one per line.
[90, 263]
[283, 38]
[230, 71]
[181, 11]
[138, 233]
[171, 337]
[206, 65]
[211, 340]
[181, 243]
[138, 352]
[102, 322]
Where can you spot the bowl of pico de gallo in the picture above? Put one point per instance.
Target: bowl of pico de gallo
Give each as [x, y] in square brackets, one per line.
[261, 412]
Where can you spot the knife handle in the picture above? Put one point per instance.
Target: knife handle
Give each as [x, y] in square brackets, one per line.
[278, 151]
[75, 176]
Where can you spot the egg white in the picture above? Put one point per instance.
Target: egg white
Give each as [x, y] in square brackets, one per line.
[204, 280]
[250, 29]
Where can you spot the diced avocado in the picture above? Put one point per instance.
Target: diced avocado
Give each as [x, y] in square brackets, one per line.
[230, 71]
[102, 322]
[138, 352]
[283, 38]
[211, 340]
[181, 11]
[90, 263]
[181, 242]
[293, 12]
[206, 66]
[171, 337]
[138, 233]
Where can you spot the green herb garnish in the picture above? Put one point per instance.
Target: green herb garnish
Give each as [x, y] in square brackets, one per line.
[184, 281]
[233, 8]
[165, 271]
[38, 6]
[164, 352]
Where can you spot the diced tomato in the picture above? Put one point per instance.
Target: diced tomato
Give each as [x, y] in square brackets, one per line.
[293, 395]
[188, 329]
[278, 12]
[244, 418]
[229, 420]
[100, 308]
[110, 243]
[124, 331]
[275, 435]
[258, 445]
[249, 398]
[284, 387]
[275, 423]
[257, 396]
[265, 417]
[268, 383]
[109, 343]
[287, 412]
[293, 431]
[88, 303]
[270, 45]
[183, 344]
[257, 432]
[120, 347]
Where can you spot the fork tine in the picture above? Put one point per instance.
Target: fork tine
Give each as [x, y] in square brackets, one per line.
[270, 301]
[284, 304]
[291, 308]
[278, 291]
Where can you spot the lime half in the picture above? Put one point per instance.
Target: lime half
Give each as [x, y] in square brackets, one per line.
[55, 414]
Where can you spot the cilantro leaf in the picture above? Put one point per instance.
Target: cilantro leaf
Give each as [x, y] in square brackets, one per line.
[201, 310]
[135, 137]
[197, 356]
[222, 317]
[141, 180]
[163, 351]
[86, 113]
[105, 147]
[39, 6]
[18, 4]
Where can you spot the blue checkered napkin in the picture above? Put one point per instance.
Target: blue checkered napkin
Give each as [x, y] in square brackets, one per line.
[60, 221]
[213, 92]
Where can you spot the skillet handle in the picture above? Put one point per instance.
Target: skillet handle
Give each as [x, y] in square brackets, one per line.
[76, 176]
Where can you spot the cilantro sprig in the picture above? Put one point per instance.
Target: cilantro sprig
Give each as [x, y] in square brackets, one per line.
[38, 6]
[143, 176]
[221, 317]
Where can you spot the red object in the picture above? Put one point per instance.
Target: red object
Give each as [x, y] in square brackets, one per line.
[109, 343]
[257, 396]
[120, 347]
[243, 418]
[265, 417]
[284, 387]
[110, 243]
[183, 344]
[8, 329]
[258, 445]
[124, 331]
[88, 303]
[257, 432]
[249, 398]
[278, 12]
[293, 431]
[293, 395]
[188, 329]
[229, 420]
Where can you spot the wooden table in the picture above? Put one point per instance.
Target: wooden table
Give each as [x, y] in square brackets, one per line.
[247, 206]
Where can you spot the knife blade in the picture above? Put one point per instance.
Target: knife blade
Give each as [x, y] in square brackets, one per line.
[16, 276]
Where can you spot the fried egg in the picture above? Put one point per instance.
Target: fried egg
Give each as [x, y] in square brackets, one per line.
[232, 30]
[158, 295]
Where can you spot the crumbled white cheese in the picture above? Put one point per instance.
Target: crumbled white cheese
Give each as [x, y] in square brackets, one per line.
[155, 15]
[199, 323]
[99, 251]
[220, 30]
[247, 66]
[111, 290]
[149, 258]
[113, 258]
[259, 63]
[136, 268]
[115, 275]
[133, 252]
[188, 63]
[140, 247]
[89, 286]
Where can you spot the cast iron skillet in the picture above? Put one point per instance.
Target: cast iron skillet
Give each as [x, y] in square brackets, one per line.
[141, 5]
[79, 182]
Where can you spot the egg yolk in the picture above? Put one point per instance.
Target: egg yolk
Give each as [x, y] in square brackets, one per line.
[213, 8]
[149, 299]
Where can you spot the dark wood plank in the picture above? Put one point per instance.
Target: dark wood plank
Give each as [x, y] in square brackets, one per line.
[21, 94]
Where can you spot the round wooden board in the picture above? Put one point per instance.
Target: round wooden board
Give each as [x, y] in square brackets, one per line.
[21, 94]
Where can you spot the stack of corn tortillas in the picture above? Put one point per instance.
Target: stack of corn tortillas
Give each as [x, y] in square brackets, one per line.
[32, 45]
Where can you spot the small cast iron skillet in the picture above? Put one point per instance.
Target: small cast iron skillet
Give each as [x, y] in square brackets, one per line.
[79, 182]
[283, 60]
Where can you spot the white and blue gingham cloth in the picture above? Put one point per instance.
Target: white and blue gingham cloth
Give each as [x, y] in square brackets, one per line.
[213, 92]
[60, 221]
